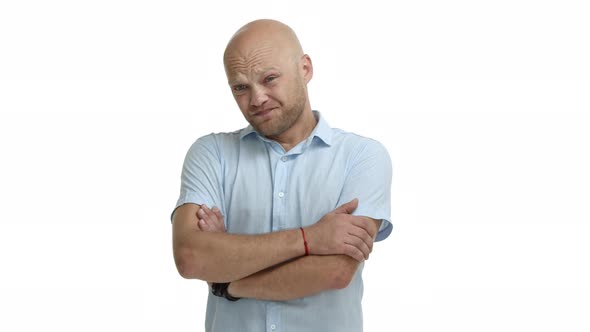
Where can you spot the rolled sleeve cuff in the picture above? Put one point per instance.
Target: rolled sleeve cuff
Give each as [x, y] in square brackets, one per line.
[191, 197]
[384, 230]
[386, 226]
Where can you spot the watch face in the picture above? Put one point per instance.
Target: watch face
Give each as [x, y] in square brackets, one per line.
[217, 289]
[220, 289]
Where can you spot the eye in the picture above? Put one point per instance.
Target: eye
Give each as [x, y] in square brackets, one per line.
[270, 78]
[239, 87]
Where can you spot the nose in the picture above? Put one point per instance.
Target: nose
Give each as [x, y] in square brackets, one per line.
[258, 96]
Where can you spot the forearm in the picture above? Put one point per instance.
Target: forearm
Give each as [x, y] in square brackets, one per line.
[221, 257]
[298, 278]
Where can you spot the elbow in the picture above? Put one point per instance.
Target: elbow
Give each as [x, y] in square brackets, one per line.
[341, 281]
[344, 274]
[187, 263]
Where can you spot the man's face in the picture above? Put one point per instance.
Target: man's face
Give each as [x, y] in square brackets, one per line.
[268, 87]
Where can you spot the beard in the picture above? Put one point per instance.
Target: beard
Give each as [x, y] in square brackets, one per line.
[286, 115]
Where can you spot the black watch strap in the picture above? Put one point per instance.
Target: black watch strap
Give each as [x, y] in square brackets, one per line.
[220, 289]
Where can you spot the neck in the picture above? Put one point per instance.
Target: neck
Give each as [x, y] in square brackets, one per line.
[298, 132]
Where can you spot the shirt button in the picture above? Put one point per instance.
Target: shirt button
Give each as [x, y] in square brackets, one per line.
[273, 327]
[284, 158]
[281, 194]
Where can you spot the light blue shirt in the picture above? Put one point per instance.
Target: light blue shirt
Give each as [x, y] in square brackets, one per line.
[260, 188]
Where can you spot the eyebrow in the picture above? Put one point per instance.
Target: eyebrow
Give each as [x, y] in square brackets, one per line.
[264, 70]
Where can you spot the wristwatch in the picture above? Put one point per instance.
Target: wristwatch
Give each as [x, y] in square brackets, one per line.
[220, 289]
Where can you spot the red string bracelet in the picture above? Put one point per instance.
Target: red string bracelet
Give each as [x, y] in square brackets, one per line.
[304, 241]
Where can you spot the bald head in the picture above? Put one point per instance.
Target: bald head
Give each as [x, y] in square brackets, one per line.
[266, 35]
[268, 75]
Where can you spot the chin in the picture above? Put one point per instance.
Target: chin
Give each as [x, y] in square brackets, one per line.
[270, 129]
[266, 131]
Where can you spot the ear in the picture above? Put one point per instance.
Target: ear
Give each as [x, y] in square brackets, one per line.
[306, 68]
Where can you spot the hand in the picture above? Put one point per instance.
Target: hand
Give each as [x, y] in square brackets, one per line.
[339, 232]
[210, 220]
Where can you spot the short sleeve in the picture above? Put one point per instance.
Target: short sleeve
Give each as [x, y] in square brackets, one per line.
[369, 179]
[201, 179]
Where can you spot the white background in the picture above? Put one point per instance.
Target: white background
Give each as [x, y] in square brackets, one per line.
[483, 106]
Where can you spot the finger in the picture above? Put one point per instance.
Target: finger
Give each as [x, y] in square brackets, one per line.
[347, 208]
[363, 236]
[201, 214]
[360, 245]
[220, 221]
[217, 213]
[214, 219]
[365, 224]
[203, 226]
[353, 252]
[361, 227]
[208, 215]
[206, 209]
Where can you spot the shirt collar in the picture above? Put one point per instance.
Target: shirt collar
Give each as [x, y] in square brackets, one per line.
[322, 130]
[247, 131]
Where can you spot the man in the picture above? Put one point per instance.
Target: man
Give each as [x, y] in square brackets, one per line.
[279, 217]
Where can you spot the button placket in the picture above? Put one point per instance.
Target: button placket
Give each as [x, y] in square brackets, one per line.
[272, 317]
[280, 192]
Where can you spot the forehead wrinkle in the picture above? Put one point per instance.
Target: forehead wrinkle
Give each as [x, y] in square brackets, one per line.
[251, 63]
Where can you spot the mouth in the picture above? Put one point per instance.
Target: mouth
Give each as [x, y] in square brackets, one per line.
[263, 112]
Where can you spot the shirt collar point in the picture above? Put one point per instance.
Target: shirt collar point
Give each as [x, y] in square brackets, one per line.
[322, 130]
[247, 131]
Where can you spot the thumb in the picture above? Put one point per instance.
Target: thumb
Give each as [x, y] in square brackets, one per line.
[347, 208]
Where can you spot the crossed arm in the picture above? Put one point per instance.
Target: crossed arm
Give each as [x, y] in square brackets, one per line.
[272, 266]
